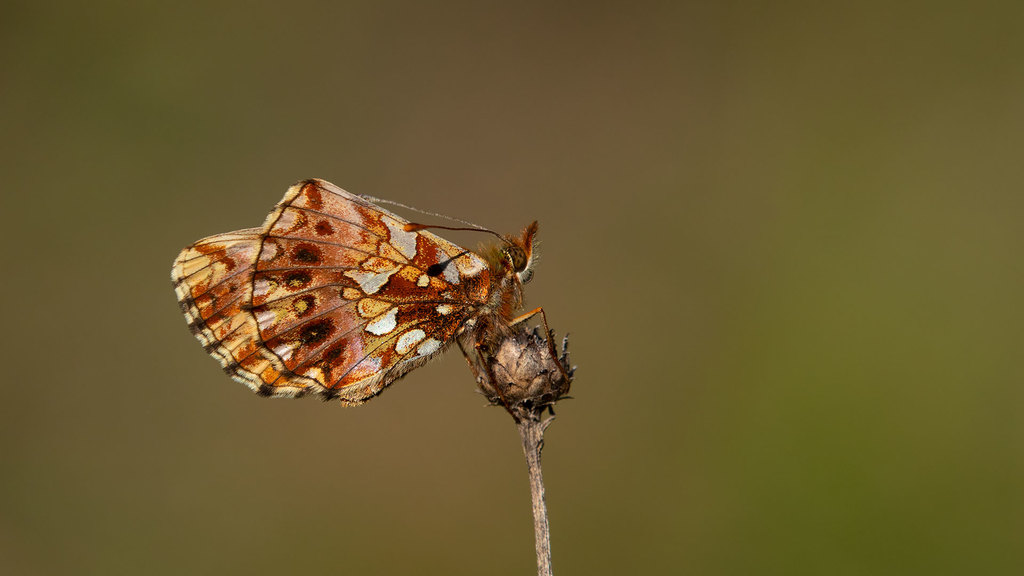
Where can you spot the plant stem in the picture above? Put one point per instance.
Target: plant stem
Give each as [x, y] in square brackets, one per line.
[531, 431]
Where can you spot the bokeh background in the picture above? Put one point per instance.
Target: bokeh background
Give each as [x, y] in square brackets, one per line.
[785, 237]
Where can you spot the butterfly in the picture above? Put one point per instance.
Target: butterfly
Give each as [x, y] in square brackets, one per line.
[338, 297]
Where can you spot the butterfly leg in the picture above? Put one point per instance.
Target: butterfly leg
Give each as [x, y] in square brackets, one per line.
[530, 314]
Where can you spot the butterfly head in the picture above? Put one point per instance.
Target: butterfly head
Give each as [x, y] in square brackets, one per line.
[518, 253]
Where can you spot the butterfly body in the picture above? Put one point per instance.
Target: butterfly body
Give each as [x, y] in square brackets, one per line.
[338, 297]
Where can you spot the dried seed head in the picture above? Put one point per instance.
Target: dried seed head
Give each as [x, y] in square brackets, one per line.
[523, 372]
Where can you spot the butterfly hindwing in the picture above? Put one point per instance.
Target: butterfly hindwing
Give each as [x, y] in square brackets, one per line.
[213, 281]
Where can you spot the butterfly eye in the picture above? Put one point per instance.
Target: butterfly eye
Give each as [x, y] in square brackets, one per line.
[516, 257]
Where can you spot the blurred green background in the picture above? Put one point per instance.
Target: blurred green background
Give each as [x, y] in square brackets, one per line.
[785, 238]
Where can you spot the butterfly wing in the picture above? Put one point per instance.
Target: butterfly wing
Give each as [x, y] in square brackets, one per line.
[213, 282]
[337, 298]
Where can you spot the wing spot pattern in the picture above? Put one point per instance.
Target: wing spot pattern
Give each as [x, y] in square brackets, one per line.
[384, 323]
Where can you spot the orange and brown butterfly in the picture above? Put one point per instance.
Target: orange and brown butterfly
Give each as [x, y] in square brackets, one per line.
[337, 297]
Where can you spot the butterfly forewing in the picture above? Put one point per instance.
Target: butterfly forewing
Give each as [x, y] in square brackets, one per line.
[332, 295]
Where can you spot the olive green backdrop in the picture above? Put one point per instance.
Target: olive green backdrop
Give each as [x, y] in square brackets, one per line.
[785, 237]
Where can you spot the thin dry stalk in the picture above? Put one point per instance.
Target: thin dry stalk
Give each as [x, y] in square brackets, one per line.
[532, 434]
[526, 375]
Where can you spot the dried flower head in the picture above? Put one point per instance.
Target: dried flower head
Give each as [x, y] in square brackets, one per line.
[523, 372]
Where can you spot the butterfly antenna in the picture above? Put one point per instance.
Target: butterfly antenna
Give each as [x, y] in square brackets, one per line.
[421, 211]
[411, 227]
